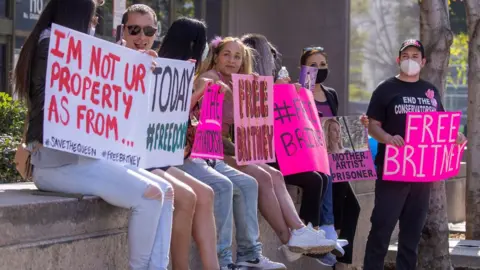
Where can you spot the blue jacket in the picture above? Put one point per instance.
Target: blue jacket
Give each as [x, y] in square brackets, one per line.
[373, 144]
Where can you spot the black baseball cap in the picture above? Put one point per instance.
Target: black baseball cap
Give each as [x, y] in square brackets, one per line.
[412, 43]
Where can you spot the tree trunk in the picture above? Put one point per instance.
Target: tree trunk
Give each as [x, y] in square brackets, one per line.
[437, 37]
[473, 153]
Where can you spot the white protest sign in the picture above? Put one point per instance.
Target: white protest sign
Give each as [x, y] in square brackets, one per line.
[103, 101]
[95, 94]
[168, 111]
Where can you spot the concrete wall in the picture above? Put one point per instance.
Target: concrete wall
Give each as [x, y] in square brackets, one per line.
[291, 26]
[51, 229]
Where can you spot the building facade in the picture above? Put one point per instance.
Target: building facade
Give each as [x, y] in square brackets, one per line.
[18, 17]
[289, 26]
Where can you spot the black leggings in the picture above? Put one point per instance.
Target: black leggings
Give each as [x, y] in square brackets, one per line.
[346, 211]
[313, 185]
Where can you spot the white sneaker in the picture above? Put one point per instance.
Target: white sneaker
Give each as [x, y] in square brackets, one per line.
[338, 251]
[308, 240]
[263, 263]
[342, 242]
[321, 232]
[289, 255]
[330, 232]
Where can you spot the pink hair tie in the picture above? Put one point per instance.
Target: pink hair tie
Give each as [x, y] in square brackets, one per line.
[216, 41]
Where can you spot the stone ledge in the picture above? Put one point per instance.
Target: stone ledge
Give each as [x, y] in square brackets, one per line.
[464, 253]
[27, 218]
[43, 232]
[86, 252]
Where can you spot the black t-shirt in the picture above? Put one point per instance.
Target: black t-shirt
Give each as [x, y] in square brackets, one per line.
[392, 100]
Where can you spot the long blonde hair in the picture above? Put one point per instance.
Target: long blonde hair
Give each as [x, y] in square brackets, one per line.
[216, 46]
[326, 129]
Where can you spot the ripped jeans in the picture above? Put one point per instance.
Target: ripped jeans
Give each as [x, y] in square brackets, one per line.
[149, 196]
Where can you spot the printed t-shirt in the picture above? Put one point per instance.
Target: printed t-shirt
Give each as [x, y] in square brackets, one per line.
[391, 101]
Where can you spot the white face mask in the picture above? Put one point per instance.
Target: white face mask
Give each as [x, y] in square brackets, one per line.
[91, 31]
[410, 67]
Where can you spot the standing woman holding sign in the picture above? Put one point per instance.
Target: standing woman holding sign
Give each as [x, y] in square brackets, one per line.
[193, 202]
[149, 196]
[340, 207]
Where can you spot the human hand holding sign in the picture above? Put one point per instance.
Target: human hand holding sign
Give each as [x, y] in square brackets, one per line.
[461, 138]
[224, 88]
[395, 140]
[298, 86]
[200, 84]
[364, 120]
[285, 80]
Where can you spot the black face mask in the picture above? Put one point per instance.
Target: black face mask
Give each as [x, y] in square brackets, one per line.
[321, 75]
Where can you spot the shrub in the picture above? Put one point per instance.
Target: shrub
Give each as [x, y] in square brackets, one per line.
[12, 117]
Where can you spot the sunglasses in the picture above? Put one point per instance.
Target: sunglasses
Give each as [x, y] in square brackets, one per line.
[308, 49]
[134, 30]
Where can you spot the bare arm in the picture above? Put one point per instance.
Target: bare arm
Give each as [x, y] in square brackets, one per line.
[196, 96]
[376, 131]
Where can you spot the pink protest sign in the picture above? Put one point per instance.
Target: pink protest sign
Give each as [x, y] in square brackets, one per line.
[299, 140]
[430, 152]
[347, 146]
[208, 136]
[253, 118]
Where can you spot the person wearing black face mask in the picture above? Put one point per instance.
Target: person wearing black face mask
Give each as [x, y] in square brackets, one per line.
[340, 209]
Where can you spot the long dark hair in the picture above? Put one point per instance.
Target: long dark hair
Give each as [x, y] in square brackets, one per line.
[74, 14]
[265, 55]
[307, 53]
[186, 39]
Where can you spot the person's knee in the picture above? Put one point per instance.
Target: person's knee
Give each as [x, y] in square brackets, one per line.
[315, 182]
[222, 185]
[153, 192]
[205, 195]
[248, 184]
[264, 180]
[277, 178]
[185, 199]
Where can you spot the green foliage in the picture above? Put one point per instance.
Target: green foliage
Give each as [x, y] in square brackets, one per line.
[457, 75]
[358, 94]
[8, 145]
[358, 38]
[12, 116]
[359, 7]
[185, 8]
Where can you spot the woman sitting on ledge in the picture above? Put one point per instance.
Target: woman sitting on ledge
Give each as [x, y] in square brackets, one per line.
[149, 196]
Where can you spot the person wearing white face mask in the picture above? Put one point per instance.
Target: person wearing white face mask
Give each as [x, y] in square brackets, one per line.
[394, 201]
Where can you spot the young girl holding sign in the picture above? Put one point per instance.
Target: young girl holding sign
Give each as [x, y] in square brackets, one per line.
[149, 196]
[275, 202]
[235, 192]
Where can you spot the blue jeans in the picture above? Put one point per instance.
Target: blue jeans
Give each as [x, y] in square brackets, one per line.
[326, 216]
[236, 194]
[150, 225]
